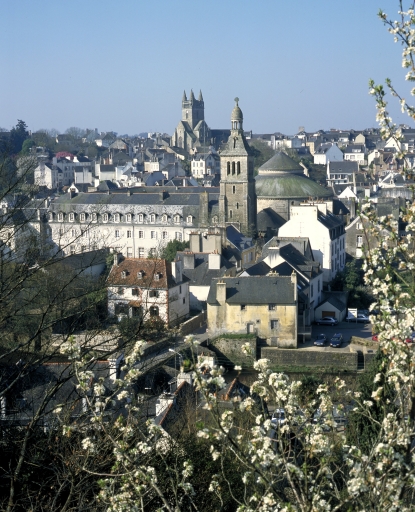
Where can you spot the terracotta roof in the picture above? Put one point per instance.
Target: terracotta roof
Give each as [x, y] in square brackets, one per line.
[126, 273]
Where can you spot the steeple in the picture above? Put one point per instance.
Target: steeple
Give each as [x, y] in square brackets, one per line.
[200, 96]
[184, 96]
[192, 96]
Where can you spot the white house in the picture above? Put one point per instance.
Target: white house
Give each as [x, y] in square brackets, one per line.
[355, 152]
[316, 221]
[147, 289]
[328, 152]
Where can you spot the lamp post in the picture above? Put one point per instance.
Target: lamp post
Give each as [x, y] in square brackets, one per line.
[177, 353]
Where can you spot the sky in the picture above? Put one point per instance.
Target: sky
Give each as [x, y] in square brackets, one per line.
[123, 65]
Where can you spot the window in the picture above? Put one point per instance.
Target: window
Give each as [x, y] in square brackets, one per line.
[116, 217]
[233, 189]
[359, 241]
[233, 167]
[82, 217]
[274, 324]
[128, 217]
[120, 290]
[243, 307]
[129, 252]
[71, 217]
[60, 217]
[121, 309]
[177, 219]
[164, 218]
[178, 236]
[105, 217]
[237, 206]
[152, 217]
[154, 294]
[73, 232]
[94, 217]
[117, 233]
[228, 167]
[140, 273]
[230, 214]
[72, 249]
[215, 220]
[135, 291]
[164, 235]
[153, 234]
[271, 307]
[359, 225]
[83, 248]
[238, 167]
[154, 311]
[189, 219]
[140, 218]
[123, 274]
[141, 234]
[61, 231]
[180, 289]
[184, 300]
[129, 233]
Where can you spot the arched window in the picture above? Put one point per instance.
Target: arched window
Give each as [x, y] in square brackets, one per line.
[50, 216]
[233, 189]
[233, 167]
[189, 219]
[228, 167]
[164, 218]
[152, 217]
[82, 217]
[230, 214]
[116, 217]
[238, 167]
[128, 217]
[105, 217]
[71, 217]
[60, 217]
[237, 206]
[94, 217]
[215, 220]
[140, 218]
[177, 219]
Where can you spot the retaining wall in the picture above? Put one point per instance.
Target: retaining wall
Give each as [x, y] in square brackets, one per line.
[229, 350]
[193, 323]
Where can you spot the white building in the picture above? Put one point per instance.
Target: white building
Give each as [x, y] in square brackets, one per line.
[327, 153]
[147, 289]
[325, 231]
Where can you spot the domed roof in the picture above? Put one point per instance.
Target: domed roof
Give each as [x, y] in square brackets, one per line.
[289, 186]
[237, 112]
[281, 162]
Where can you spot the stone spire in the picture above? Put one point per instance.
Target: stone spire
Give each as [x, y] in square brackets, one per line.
[200, 96]
[192, 96]
[184, 96]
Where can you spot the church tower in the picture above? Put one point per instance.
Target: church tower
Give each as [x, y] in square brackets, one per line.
[237, 200]
[193, 110]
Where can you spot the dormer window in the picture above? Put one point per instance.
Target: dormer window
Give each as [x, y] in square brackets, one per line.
[50, 215]
[189, 219]
[82, 217]
[156, 276]
[71, 217]
[215, 220]
[60, 217]
[164, 218]
[124, 274]
[152, 217]
[140, 217]
[140, 274]
[177, 219]
[105, 217]
[116, 217]
[128, 217]
[94, 217]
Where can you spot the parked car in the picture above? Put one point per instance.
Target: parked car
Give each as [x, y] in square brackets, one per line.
[360, 317]
[278, 417]
[375, 337]
[336, 341]
[320, 340]
[327, 320]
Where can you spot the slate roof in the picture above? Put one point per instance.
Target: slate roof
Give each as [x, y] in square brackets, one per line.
[343, 167]
[302, 244]
[150, 268]
[338, 304]
[280, 162]
[201, 275]
[255, 290]
[268, 218]
[239, 240]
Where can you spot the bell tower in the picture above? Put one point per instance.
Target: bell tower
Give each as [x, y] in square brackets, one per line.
[237, 199]
[193, 110]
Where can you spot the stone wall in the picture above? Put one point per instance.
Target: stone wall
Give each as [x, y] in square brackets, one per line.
[312, 359]
[229, 352]
[193, 323]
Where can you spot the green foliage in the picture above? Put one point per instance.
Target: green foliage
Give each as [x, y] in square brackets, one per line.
[170, 250]
[351, 280]
[363, 431]
[18, 135]
[186, 166]
[27, 144]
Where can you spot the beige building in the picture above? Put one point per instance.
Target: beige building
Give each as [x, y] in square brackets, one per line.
[265, 306]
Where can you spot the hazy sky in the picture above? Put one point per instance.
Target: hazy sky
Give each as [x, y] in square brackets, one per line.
[123, 65]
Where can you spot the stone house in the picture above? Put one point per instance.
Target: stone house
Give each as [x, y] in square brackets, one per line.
[265, 306]
[147, 288]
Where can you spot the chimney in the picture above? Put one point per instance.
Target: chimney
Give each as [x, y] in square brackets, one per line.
[163, 195]
[176, 270]
[118, 258]
[221, 291]
[189, 260]
[294, 282]
[194, 242]
[214, 261]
